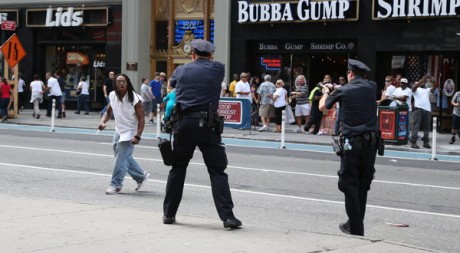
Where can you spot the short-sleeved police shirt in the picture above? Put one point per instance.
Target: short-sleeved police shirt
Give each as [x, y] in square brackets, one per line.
[197, 84]
[358, 106]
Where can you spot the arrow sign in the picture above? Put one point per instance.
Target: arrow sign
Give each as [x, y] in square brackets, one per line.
[13, 51]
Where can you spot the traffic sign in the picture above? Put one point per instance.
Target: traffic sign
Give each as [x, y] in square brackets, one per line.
[13, 51]
[8, 25]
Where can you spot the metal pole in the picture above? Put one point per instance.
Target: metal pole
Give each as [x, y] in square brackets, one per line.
[53, 109]
[433, 146]
[158, 121]
[283, 128]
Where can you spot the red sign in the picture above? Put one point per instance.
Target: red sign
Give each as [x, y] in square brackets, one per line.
[13, 51]
[8, 25]
[387, 122]
[231, 110]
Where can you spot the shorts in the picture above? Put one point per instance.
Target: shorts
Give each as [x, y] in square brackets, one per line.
[147, 106]
[63, 97]
[267, 111]
[455, 122]
[155, 102]
[302, 110]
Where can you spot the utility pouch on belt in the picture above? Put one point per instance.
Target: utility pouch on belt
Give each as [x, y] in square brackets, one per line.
[380, 144]
[166, 151]
[337, 146]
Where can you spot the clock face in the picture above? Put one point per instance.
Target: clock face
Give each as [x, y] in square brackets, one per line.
[187, 48]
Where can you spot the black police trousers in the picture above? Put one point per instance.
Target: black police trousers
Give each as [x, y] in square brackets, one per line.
[355, 176]
[187, 135]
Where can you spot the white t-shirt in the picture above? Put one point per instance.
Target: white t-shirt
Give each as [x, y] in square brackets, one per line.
[125, 115]
[422, 99]
[243, 87]
[280, 101]
[84, 87]
[399, 92]
[53, 84]
[36, 86]
[21, 85]
[390, 90]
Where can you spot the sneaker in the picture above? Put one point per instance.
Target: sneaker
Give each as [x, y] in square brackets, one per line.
[452, 140]
[63, 114]
[151, 121]
[113, 190]
[321, 133]
[139, 185]
[38, 116]
[297, 130]
[264, 128]
[414, 145]
[86, 113]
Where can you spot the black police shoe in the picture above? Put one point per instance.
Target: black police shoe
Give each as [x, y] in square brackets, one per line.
[169, 220]
[232, 222]
[426, 145]
[345, 227]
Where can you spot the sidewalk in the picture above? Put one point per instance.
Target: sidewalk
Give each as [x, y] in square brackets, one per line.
[62, 226]
[92, 121]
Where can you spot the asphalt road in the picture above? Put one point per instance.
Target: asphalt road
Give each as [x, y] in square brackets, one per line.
[270, 187]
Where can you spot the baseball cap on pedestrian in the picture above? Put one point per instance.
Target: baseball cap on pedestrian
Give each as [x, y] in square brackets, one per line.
[403, 80]
[202, 47]
[356, 65]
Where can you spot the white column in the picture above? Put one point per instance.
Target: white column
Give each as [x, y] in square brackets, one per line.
[135, 39]
[222, 35]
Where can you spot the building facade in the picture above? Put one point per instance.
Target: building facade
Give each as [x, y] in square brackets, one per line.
[315, 38]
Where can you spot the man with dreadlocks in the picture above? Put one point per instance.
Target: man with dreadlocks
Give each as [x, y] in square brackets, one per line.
[126, 105]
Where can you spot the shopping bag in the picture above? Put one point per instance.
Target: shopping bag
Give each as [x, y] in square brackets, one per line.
[289, 114]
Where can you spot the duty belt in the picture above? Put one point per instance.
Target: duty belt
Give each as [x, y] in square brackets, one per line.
[364, 140]
[194, 115]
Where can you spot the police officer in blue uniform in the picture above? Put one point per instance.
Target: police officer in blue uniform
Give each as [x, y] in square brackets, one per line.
[358, 121]
[198, 86]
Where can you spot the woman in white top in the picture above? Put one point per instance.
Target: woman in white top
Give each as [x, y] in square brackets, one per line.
[36, 88]
[84, 95]
[280, 102]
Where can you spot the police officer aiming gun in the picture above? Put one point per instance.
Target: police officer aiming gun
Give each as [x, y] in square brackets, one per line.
[198, 86]
[358, 121]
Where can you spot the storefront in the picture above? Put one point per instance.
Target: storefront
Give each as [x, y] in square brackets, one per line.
[73, 40]
[314, 38]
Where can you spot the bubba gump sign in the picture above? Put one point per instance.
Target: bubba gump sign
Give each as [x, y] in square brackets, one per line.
[298, 11]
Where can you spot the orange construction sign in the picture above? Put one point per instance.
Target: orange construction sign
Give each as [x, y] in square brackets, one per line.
[13, 51]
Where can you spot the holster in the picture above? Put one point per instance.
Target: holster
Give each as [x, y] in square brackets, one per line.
[337, 146]
[166, 151]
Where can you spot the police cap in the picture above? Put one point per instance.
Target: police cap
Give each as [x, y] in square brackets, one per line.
[202, 47]
[358, 66]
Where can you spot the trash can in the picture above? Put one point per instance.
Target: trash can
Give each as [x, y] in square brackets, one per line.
[394, 123]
